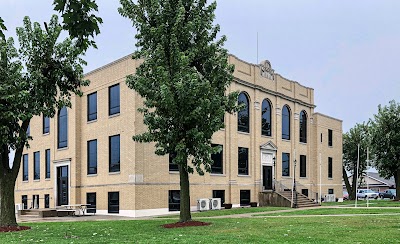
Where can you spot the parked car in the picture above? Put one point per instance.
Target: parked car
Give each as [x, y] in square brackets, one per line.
[391, 193]
[345, 195]
[367, 193]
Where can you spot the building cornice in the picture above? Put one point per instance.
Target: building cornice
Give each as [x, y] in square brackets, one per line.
[328, 116]
[278, 94]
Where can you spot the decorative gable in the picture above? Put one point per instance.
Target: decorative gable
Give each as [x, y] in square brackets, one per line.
[269, 146]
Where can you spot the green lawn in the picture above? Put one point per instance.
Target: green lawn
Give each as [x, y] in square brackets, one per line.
[335, 211]
[360, 229]
[363, 203]
[229, 212]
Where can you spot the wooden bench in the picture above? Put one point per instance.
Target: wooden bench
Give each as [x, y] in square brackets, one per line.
[65, 212]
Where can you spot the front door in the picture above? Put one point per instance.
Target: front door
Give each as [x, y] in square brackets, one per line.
[62, 185]
[267, 177]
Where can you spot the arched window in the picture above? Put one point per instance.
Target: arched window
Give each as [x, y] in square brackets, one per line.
[303, 126]
[243, 115]
[266, 118]
[286, 122]
[62, 128]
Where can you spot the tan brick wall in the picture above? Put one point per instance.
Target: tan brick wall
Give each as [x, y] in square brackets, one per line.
[144, 179]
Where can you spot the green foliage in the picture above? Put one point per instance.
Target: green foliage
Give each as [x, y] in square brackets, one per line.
[385, 137]
[79, 20]
[38, 78]
[358, 135]
[2, 28]
[183, 78]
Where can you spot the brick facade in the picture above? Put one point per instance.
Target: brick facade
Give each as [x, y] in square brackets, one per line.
[144, 179]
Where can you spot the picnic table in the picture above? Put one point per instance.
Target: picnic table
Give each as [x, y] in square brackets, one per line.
[80, 207]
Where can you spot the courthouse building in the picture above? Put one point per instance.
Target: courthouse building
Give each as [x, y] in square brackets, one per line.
[85, 154]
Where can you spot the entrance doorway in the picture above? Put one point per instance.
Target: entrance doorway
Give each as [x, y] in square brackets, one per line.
[62, 186]
[267, 177]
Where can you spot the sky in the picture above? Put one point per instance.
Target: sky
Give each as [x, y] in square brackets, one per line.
[348, 51]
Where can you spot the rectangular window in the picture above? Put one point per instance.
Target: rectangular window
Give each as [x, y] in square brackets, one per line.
[92, 157]
[303, 166]
[174, 200]
[172, 166]
[91, 200]
[329, 167]
[28, 130]
[113, 100]
[25, 175]
[243, 161]
[219, 194]
[46, 125]
[113, 202]
[330, 191]
[46, 201]
[36, 165]
[285, 164]
[114, 153]
[330, 142]
[47, 166]
[321, 137]
[217, 158]
[244, 197]
[24, 201]
[304, 192]
[92, 106]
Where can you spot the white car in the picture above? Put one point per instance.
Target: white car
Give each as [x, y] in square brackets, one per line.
[367, 193]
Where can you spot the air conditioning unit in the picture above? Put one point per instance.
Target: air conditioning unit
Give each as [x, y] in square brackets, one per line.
[330, 198]
[215, 203]
[203, 204]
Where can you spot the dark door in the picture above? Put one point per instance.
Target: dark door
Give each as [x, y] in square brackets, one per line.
[62, 185]
[267, 177]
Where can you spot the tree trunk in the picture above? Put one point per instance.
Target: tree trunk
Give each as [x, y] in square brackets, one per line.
[7, 203]
[185, 214]
[353, 193]
[347, 183]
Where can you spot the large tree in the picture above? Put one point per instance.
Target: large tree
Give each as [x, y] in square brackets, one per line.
[358, 135]
[385, 141]
[183, 80]
[37, 78]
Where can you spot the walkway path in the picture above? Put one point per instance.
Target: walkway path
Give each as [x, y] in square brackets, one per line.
[245, 215]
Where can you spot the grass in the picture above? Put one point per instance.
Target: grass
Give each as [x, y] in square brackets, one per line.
[360, 229]
[336, 211]
[232, 211]
[363, 203]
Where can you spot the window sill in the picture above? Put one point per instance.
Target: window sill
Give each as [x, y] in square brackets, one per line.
[216, 174]
[62, 149]
[174, 172]
[25, 181]
[303, 143]
[244, 175]
[38, 180]
[243, 133]
[114, 115]
[286, 140]
[303, 178]
[46, 134]
[91, 121]
[330, 146]
[330, 178]
[47, 179]
[264, 136]
[94, 175]
[114, 173]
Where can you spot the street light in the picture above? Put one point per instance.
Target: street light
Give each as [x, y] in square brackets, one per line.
[294, 183]
[274, 170]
